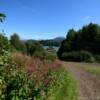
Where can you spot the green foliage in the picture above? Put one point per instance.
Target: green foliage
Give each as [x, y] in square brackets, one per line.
[17, 83]
[2, 17]
[71, 56]
[34, 49]
[52, 42]
[97, 58]
[50, 56]
[83, 56]
[71, 35]
[17, 86]
[4, 58]
[4, 50]
[86, 39]
[17, 43]
[4, 43]
[86, 56]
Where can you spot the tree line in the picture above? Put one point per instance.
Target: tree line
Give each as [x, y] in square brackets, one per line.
[52, 42]
[81, 45]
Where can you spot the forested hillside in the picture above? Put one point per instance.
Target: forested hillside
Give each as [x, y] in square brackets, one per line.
[52, 42]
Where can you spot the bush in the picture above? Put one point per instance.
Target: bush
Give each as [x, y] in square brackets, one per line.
[17, 86]
[4, 58]
[97, 58]
[17, 44]
[4, 44]
[32, 83]
[86, 56]
[83, 56]
[71, 56]
[34, 49]
[4, 50]
[50, 56]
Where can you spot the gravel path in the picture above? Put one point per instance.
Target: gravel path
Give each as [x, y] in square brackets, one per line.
[88, 84]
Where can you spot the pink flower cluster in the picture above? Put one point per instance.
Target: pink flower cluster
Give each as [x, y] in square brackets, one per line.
[55, 65]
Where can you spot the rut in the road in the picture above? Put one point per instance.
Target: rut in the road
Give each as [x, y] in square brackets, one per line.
[88, 85]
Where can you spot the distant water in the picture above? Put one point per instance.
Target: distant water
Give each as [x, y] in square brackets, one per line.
[55, 47]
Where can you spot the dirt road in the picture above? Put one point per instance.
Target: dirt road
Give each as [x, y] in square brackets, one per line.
[88, 84]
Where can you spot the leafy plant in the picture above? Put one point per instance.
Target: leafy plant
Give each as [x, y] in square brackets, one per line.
[2, 17]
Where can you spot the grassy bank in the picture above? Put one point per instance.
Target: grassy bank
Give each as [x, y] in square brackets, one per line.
[66, 87]
[93, 70]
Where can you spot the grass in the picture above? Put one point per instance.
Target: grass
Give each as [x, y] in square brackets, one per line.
[93, 70]
[67, 88]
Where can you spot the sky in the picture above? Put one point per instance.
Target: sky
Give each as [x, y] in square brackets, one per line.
[46, 19]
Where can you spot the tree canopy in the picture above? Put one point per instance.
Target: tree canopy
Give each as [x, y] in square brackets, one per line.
[2, 17]
[86, 39]
[17, 43]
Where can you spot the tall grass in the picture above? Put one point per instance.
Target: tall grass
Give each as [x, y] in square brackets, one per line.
[93, 70]
[66, 89]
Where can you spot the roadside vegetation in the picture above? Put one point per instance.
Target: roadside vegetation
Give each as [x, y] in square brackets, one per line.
[67, 87]
[93, 70]
[28, 72]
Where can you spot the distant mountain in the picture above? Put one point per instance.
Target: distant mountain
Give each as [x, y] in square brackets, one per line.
[49, 42]
[52, 42]
[25, 40]
[59, 39]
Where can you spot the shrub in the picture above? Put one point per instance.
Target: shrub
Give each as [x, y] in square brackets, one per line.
[17, 86]
[50, 56]
[21, 83]
[86, 56]
[17, 44]
[34, 48]
[4, 50]
[4, 44]
[4, 58]
[70, 56]
[97, 58]
[83, 56]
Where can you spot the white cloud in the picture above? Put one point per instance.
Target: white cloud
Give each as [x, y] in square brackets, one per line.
[26, 7]
[87, 18]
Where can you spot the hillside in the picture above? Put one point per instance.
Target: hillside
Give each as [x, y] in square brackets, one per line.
[52, 42]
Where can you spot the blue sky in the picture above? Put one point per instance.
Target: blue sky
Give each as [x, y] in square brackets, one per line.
[44, 19]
